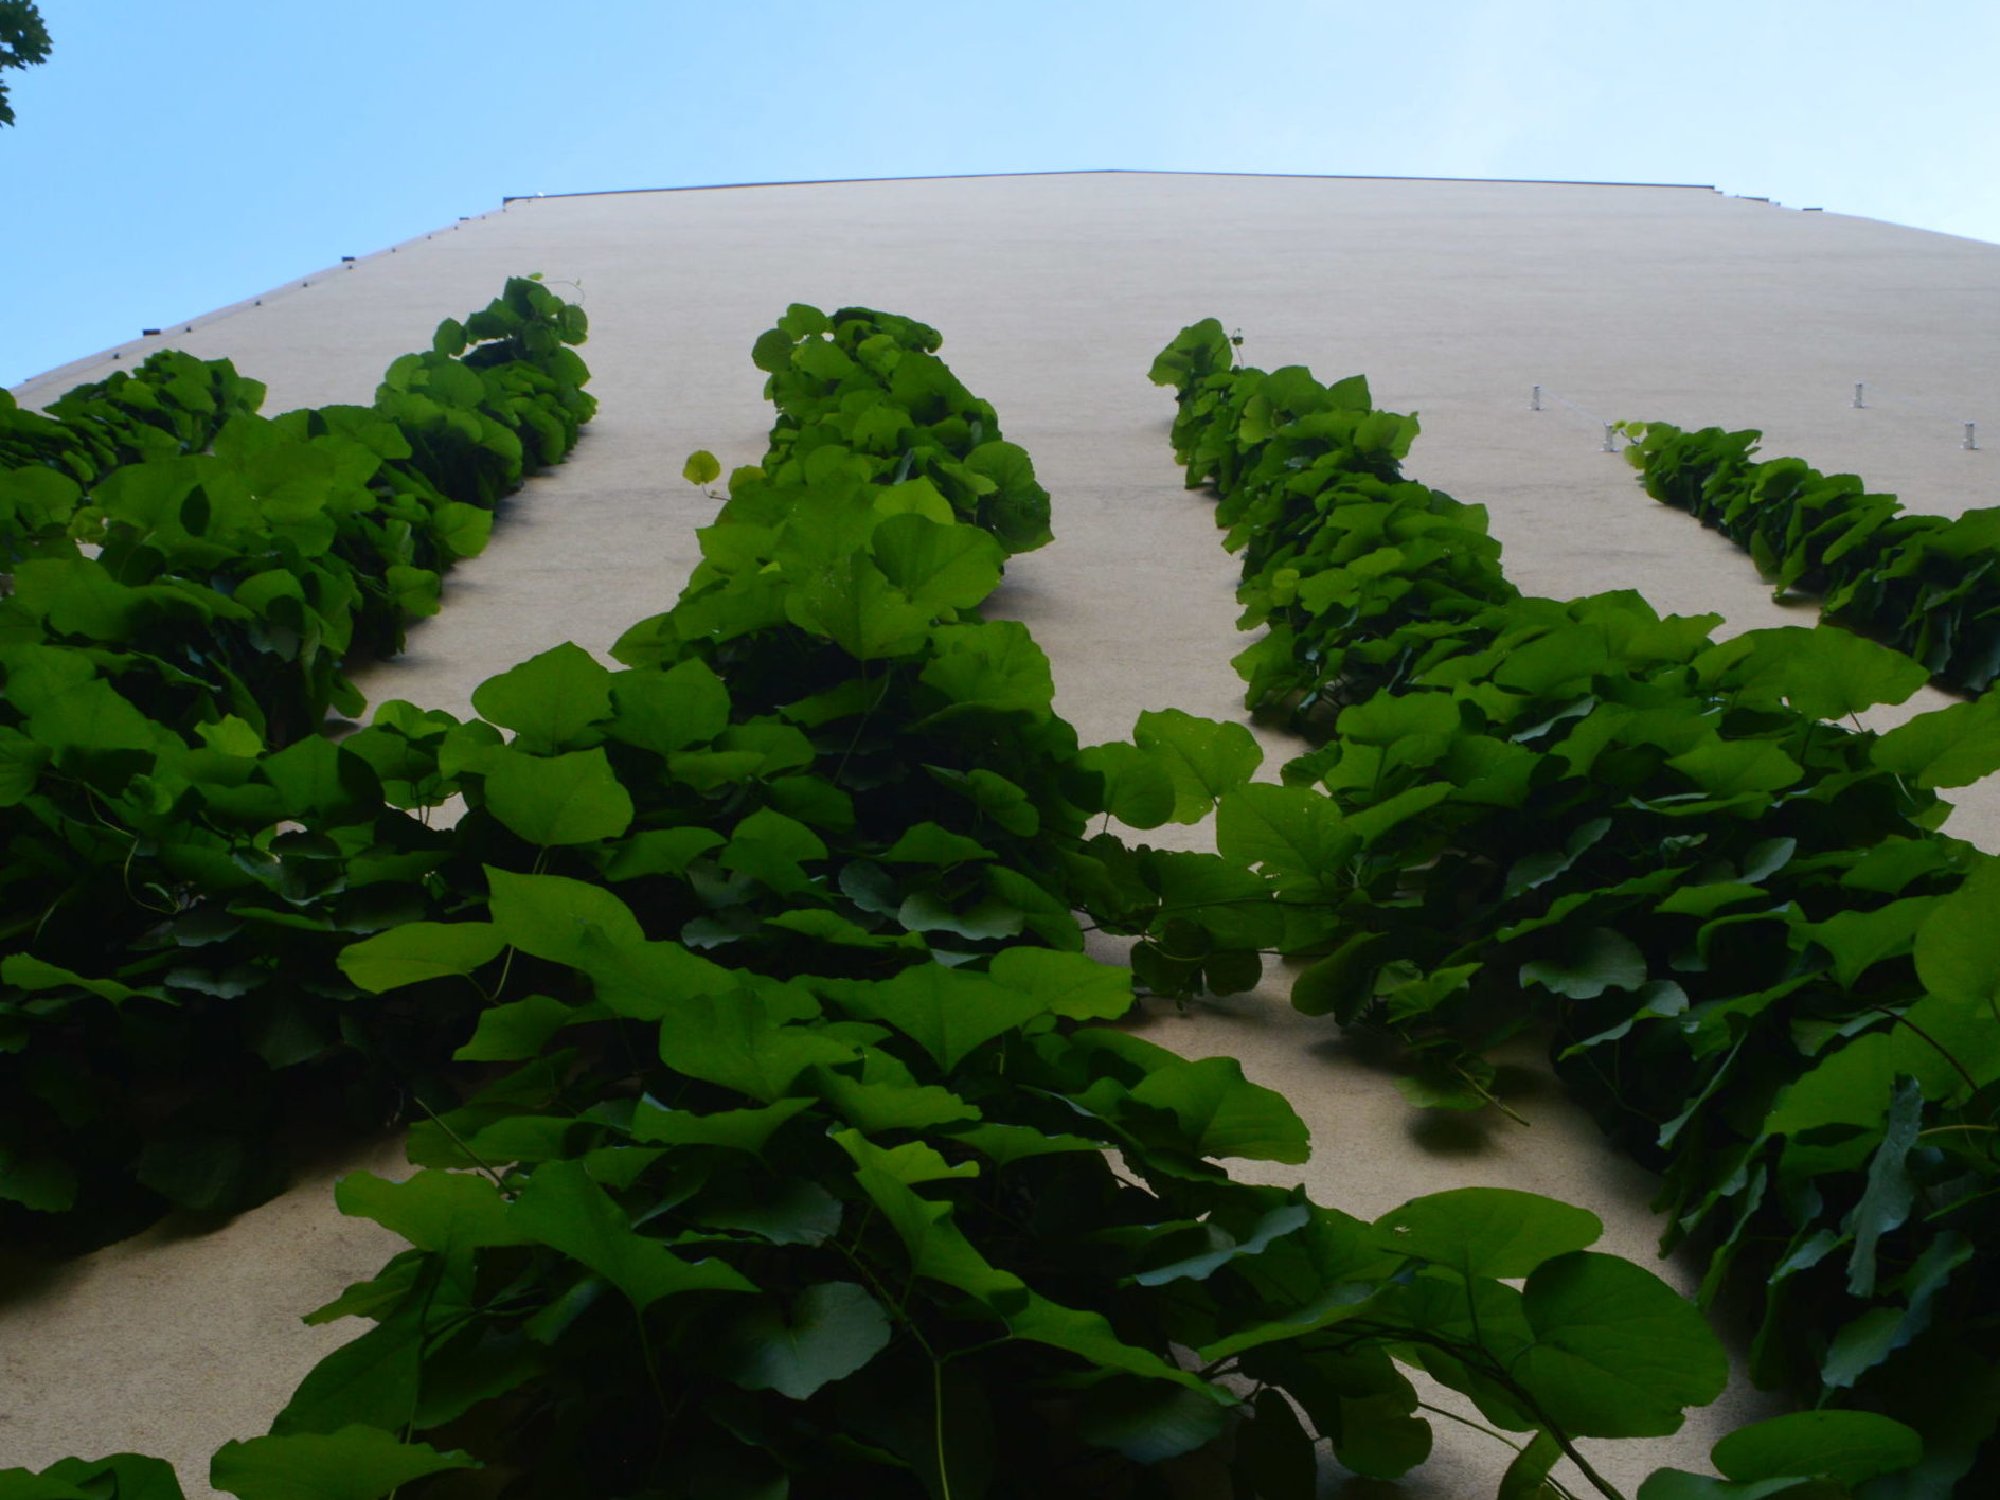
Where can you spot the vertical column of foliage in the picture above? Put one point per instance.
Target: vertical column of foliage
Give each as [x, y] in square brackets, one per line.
[1926, 585]
[1767, 975]
[182, 851]
[171, 405]
[871, 383]
[799, 1183]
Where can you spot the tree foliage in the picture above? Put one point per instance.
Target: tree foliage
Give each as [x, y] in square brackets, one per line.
[24, 42]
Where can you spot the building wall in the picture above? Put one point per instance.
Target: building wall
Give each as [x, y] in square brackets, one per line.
[1054, 293]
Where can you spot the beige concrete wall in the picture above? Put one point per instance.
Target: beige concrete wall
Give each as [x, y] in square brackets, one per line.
[1054, 294]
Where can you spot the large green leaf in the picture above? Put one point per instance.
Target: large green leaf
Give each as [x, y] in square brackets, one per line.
[1952, 746]
[1847, 1446]
[1222, 1113]
[1858, 940]
[562, 1208]
[747, 1040]
[945, 1011]
[554, 917]
[1294, 833]
[1617, 1352]
[444, 1212]
[91, 716]
[1088, 1335]
[1591, 962]
[1958, 945]
[21, 762]
[937, 1247]
[1138, 788]
[1065, 984]
[355, 1463]
[1203, 758]
[1942, 1039]
[324, 782]
[645, 981]
[940, 567]
[420, 951]
[1149, 1422]
[1491, 1232]
[1224, 1247]
[932, 844]
[667, 711]
[878, 1108]
[372, 1381]
[1853, 1086]
[548, 699]
[557, 799]
[829, 1331]
[132, 1476]
[518, 1029]
[1678, 1484]
[1822, 672]
[773, 848]
[851, 602]
[1729, 768]
[994, 667]
[739, 1129]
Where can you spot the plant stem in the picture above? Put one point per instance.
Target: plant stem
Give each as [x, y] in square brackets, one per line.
[459, 1141]
[937, 1425]
[1493, 1432]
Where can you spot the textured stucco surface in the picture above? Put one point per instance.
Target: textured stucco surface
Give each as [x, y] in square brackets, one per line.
[1054, 293]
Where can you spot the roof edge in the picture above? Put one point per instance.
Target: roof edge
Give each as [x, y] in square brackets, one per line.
[710, 187]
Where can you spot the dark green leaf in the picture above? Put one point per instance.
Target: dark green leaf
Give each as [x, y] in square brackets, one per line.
[1148, 1421]
[1617, 1352]
[562, 1208]
[1224, 1114]
[945, 1011]
[1597, 960]
[830, 1330]
[355, 1463]
[1527, 1476]
[1848, 1446]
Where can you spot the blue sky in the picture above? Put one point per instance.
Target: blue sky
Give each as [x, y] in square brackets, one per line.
[176, 155]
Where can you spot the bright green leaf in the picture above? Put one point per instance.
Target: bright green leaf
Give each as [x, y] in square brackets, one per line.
[419, 951]
[1491, 1232]
[557, 799]
[548, 699]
